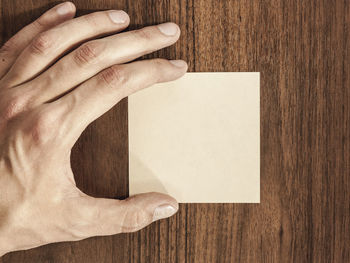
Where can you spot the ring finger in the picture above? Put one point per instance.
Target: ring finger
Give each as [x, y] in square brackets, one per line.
[99, 94]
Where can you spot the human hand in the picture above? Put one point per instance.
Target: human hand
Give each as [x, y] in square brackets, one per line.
[46, 103]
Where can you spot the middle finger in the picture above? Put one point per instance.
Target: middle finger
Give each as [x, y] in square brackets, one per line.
[94, 56]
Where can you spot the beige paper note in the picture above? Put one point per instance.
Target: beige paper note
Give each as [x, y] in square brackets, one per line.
[197, 138]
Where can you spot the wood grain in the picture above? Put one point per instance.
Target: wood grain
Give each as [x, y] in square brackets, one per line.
[302, 50]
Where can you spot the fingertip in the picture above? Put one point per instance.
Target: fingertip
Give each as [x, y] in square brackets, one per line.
[179, 63]
[158, 204]
[142, 209]
[167, 199]
[169, 29]
[66, 8]
[163, 211]
[74, 8]
[166, 206]
[180, 66]
[119, 17]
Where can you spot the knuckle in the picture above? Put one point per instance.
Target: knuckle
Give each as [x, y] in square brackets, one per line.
[114, 76]
[39, 23]
[88, 53]
[42, 43]
[92, 20]
[43, 126]
[13, 106]
[143, 34]
[158, 63]
[8, 47]
[134, 220]
[87, 216]
[159, 66]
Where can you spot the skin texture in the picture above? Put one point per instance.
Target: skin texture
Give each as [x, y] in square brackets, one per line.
[46, 103]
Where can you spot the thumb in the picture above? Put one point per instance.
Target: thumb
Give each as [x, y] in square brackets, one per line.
[109, 216]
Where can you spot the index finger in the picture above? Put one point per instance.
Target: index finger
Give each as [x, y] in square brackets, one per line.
[99, 94]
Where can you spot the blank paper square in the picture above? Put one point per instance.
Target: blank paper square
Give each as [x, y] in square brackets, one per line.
[197, 138]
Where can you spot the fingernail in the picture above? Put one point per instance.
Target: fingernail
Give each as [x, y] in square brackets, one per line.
[178, 63]
[65, 8]
[163, 211]
[118, 17]
[168, 29]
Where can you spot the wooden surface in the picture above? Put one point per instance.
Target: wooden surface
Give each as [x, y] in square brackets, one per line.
[302, 50]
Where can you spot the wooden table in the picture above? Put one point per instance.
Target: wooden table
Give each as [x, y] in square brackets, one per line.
[302, 49]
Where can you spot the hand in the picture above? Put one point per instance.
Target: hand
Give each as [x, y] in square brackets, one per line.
[47, 102]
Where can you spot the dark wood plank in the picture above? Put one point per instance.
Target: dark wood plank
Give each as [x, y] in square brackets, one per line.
[301, 49]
